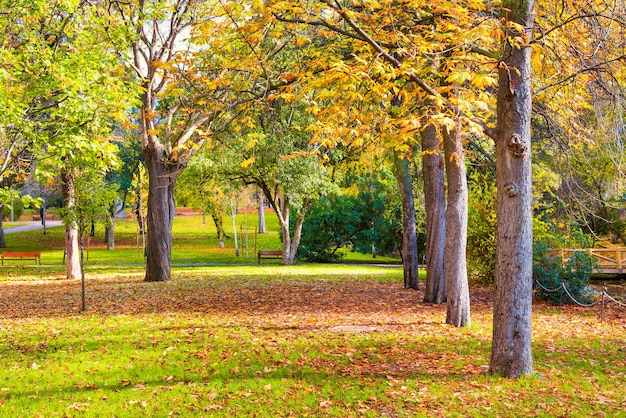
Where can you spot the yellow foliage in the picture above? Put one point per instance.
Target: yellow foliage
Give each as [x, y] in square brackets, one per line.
[247, 163]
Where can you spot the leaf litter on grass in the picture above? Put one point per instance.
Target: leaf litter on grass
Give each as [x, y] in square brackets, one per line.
[296, 337]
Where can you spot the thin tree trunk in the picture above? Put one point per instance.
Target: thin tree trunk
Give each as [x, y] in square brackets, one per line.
[458, 307]
[409, 233]
[435, 206]
[72, 250]
[285, 209]
[511, 350]
[219, 226]
[262, 228]
[109, 230]
[161, 211]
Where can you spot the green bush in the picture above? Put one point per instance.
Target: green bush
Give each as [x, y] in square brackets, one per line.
[481, 229]
[18, 210]
[551, 272]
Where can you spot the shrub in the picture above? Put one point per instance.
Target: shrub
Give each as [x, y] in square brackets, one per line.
[481, 229]
[18, 210]
[551, 272]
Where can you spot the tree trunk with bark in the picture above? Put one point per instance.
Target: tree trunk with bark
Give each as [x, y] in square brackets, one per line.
[435, 206]
[161, 211]
[72, 247]
[458, 307]
[219, 226]
[409, 232]
[262, 229]
[109, 230]
[511, 351]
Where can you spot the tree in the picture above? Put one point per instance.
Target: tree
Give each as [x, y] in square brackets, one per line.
[278, 159]
[435, 204]
[409, 230]
[391, 64]
[203, 186]
[511, 351]
[79, 94]
[89, 200]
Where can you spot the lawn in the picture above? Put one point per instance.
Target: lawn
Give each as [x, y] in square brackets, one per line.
[309, 340]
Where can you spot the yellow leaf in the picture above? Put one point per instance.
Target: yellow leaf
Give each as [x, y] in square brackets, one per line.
[247, 163]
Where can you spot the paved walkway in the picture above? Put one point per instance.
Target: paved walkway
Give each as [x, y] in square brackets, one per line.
[33, 226]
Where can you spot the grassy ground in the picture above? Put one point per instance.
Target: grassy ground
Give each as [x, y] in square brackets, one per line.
[267, 341]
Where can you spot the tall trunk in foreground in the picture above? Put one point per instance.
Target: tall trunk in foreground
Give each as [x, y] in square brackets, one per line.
[435, 205]
[409, 233]
[511, 351]
[458, 308]
[72, 248]
[161, 211]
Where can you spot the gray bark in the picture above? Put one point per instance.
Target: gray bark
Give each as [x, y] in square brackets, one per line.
[109, 231]
[409, 233]
[511, 351]
[458, 307]
[435, 206]
[262, 228]
[161, 211]
[72, 247]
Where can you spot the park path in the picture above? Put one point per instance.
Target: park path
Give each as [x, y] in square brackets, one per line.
[33, 226]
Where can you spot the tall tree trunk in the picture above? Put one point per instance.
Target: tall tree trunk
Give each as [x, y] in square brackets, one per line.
[285, 213]
[458, 308]
[3, 243]
[511, 351]
[109, 231]
[435, 205]
[216, 215]
[409, 233]
[262, 228]
[72, 247]
[161, 211]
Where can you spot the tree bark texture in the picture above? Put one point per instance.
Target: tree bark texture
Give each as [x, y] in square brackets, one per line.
[161, 211]
[511, 352]
[435, 206]
[409, 232]
[72, 247]
[458, 307]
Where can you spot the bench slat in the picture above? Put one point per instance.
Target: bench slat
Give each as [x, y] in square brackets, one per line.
[21, 255]
[269, 254]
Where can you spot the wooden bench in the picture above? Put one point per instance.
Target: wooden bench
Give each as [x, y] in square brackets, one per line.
[49, 216]
[13, 255]
[269, 254]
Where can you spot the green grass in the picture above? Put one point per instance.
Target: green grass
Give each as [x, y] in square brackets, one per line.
[231, 338]
[194, 242]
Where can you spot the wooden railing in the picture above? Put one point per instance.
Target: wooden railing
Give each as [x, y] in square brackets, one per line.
[609, 260]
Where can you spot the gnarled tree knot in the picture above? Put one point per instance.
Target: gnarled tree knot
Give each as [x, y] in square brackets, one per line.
[511, 189]
[517, 146]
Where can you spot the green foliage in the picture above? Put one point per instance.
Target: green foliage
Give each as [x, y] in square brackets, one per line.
[372, 217]
[481, 230]
[18, 210]
[552, 274]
